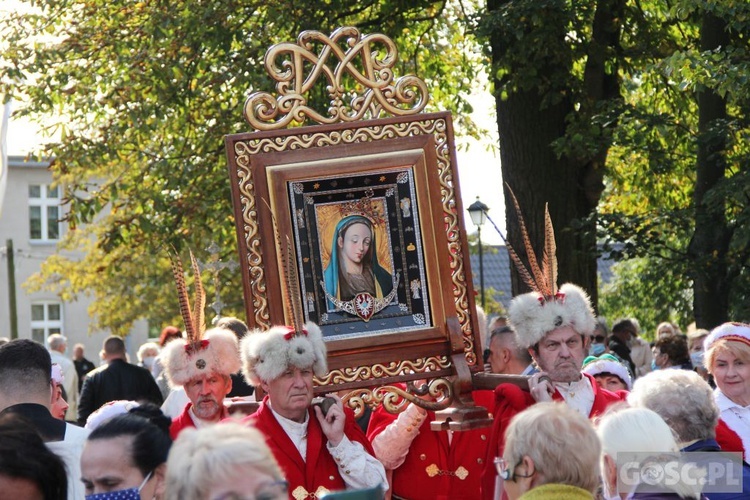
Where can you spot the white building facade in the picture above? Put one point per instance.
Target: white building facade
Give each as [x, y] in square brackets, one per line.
[30, 219]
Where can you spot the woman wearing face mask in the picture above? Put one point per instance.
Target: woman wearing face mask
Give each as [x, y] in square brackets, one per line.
[125, 457]
[695, 347]
[649, 442]
[599, 338]
[147, 354]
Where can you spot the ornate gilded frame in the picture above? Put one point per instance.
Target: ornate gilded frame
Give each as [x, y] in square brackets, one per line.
[266, 164]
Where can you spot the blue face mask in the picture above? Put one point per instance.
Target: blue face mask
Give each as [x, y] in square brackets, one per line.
[127, 494]
[597, 349]
[654, 366]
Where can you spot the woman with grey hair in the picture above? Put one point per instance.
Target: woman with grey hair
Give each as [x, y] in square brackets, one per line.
[683, 399]
[224, 461]
[147, 354]
[551, 449]
[686, 403]
[637, 447]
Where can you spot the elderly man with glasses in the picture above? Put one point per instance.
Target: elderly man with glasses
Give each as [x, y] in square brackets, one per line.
[536, 459]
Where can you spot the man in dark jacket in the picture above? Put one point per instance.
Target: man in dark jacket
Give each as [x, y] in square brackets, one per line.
[116, 379]
[83, 365]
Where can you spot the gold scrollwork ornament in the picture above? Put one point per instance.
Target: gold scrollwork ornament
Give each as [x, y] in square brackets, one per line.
[365, 60]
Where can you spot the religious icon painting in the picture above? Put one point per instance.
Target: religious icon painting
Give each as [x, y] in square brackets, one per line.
[364, 251]
[369, 217]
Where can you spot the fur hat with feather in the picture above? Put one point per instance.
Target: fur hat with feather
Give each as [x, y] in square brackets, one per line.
[533, 315]
[267, 355]
[200, 352]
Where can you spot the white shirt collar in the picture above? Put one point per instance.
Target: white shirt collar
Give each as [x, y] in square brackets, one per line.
[297, 431]
[579, 395]
[199, 422]
[723, 402]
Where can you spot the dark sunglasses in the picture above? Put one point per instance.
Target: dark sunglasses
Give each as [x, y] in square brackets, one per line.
[486, 355]
[599, 338]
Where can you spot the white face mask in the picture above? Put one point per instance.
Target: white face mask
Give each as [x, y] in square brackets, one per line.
[148, 361]
[697, 359]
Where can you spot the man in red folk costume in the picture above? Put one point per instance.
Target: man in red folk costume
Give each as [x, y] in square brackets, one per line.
[202, 363]
[555, 325]
[427, 464]
[319, 451]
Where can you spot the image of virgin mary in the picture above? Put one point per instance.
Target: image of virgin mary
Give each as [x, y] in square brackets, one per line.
[353, 269]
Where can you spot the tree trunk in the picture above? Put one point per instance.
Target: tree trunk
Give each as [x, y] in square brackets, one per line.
[528, 125]
[710, 242]
[538, 177]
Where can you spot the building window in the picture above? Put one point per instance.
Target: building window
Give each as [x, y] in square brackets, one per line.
[46, 319]
[44, 212]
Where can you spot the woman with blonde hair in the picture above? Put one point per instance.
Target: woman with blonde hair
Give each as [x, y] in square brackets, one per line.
[551, 451]
[226, 461]
[666, 329]
[637, 448]
[727, 359]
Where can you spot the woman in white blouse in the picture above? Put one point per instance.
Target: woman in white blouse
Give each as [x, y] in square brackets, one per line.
[727, 358]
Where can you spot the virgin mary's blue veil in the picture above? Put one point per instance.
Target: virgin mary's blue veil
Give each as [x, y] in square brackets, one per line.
[331, 273]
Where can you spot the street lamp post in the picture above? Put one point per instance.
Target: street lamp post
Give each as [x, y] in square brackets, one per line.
[478, 214]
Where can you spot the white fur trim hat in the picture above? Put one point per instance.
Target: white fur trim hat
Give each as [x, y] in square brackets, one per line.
[607, 363]
[108, 411]
[533, 317]
[739, 332]
[267, 355]
[216, 352]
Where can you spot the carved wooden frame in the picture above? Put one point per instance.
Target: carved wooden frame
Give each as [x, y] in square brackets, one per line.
[285, 154]
[263, 165]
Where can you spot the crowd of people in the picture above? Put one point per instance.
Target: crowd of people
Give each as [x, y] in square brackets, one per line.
[594, 396]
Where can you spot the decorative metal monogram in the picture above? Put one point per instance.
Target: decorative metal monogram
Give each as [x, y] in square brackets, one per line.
[365, 62]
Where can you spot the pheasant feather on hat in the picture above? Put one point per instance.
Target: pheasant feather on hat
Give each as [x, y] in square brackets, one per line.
[201, 352]
[546, 307]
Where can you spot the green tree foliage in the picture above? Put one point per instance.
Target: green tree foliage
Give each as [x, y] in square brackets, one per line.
[677, 191]
[143, 93]
[627, 117]
[642, 107]
[493, 306]
[649, 293]
[556, 68]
